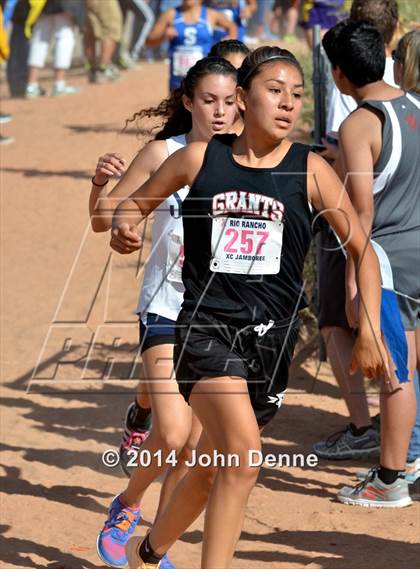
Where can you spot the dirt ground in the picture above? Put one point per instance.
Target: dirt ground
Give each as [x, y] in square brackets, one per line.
[68, 362]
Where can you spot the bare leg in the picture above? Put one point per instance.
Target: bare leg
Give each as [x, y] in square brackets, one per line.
[228, 419]
[174, 475]
[290, 21]
[186, 504]
[309, 35]
[339, 343]
[229, 424]
[33, 75]
[171, 420]
[274, 21]
[107, 51]
[90, 47]
[398, 415]
[60, 74]
[142, 396]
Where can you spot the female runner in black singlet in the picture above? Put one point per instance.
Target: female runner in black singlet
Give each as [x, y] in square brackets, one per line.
[247, 228]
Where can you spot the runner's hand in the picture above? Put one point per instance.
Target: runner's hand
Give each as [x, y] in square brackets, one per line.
[125, 239]
[246, 12]
[171, 33]
[371, 356]
[109, 165]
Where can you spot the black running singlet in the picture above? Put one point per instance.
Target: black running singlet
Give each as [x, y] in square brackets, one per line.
[246, 235]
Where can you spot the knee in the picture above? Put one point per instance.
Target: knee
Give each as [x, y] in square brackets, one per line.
[186, 453]
[245, 474]
[239, 467]
[174, 440]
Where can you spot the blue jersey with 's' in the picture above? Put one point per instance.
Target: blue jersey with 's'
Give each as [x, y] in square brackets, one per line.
[232, 10]
[192, 43]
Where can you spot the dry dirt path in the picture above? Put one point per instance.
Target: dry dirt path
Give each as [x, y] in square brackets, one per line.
[56, 422]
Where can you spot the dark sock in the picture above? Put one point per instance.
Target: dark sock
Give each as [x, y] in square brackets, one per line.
[146, 552]
[389, 476]
[139, 418]
[358, 431]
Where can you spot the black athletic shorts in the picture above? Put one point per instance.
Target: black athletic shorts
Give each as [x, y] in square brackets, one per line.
[331, 290]
[205, 346]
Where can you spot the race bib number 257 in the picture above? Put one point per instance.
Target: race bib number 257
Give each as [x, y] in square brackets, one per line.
[246, 246]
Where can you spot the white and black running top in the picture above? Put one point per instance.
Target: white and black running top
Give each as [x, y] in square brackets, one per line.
[162, 290]
[247, 231]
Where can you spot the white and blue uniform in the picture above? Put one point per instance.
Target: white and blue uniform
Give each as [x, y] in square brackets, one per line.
[192, 43]
[162, 292]
[232, 10]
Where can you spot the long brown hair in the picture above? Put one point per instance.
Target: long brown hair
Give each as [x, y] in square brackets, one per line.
[174, 117]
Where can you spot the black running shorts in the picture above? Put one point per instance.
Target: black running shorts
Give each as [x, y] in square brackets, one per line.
[331, 291]
[205, 346]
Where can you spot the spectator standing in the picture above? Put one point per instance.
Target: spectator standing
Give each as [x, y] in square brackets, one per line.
[138, 20]
[104, 25]
[4, 54]
[325, 13]
[57, 20]
[286, 15]
[17, 64]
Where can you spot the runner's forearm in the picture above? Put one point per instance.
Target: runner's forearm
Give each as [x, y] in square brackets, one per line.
[127, 212]
[369, 286]
[100, 209]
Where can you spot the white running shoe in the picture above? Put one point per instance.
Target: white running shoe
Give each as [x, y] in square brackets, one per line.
[59, 90]
[373, 493]
[33, 90]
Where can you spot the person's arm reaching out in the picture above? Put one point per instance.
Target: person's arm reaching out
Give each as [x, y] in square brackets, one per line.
[162, 30]
[103, 203]
[179, 170]
[248, 9]
[360, 139]
[327, 195]
[218, 19]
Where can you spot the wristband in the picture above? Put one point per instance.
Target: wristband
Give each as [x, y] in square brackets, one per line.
[98, 185]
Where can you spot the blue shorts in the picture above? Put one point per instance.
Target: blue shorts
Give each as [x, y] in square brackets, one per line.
[157, 331]
[326, 16]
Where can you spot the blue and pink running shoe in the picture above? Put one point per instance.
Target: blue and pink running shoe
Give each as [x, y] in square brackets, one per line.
[119, 526]
[166, 564]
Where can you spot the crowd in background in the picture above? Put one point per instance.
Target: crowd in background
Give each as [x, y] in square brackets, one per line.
[117, 34]
[113, 33]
